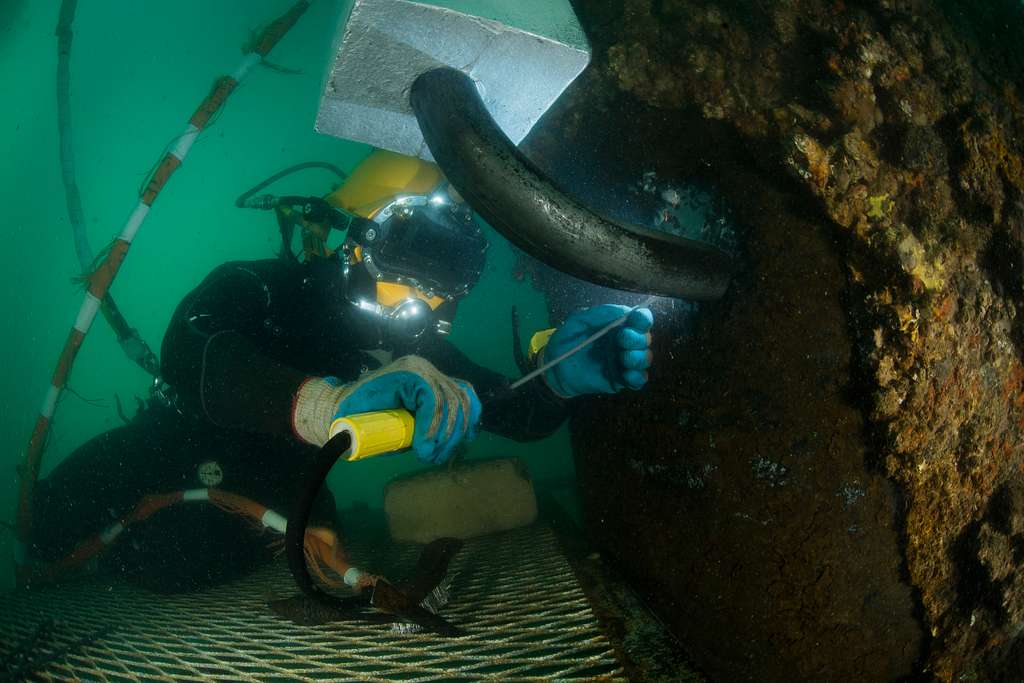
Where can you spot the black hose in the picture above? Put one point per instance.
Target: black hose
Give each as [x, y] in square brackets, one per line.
[240, 201]
[517, 345]
[295, 535]
[286, 228]
[134, 346]
[385, 596]
[525, 206]
[76, 215]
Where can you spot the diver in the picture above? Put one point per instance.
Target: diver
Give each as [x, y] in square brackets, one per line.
[263, 356]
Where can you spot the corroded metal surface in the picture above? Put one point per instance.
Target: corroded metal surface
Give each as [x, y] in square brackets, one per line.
[837, 449]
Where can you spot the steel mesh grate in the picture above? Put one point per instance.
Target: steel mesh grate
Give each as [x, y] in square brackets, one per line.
[513, 592]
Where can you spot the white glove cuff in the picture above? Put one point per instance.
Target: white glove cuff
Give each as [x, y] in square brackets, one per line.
[316, 402]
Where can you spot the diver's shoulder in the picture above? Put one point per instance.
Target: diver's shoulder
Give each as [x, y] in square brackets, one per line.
[272, 273]
[272, 267]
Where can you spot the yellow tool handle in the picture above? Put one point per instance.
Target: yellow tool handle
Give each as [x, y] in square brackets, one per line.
[382, 431]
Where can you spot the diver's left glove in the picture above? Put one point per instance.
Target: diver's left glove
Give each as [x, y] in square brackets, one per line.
[614, 362]
[446, 410]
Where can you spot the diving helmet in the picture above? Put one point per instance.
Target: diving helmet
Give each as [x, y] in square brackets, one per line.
[420, 244]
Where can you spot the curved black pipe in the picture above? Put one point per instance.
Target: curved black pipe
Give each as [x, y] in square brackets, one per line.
[432, 566]
[295, 534]
[517, 345]
[525, 206]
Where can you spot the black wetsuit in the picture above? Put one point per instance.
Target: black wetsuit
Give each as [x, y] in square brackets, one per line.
[236, 351]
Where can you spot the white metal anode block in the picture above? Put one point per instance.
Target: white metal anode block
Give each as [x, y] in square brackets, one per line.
[385, 44]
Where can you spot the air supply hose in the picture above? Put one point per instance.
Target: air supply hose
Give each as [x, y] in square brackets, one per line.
[295, 535]
[132, 343]
[525, 206]
[240, 202]
[102, 277]
[384, 596]
[285, 224]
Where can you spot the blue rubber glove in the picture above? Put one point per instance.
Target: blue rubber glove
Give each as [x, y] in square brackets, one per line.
[446, 410]
[618, 360]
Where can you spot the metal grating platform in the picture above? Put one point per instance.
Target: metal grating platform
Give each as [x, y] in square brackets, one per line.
[514, 593]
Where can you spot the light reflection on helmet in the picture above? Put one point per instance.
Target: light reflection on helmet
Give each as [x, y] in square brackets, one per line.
[419, 236]
[421, 245]
[428, 242]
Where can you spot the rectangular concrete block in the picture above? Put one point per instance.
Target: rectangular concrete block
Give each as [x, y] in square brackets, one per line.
[469, 500]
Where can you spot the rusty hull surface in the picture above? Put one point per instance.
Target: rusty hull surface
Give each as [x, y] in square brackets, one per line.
[823, 481]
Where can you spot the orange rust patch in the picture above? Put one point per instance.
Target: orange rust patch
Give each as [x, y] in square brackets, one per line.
[944, 309]
[1016, 377]
[834, 65]
[1013, 390]
[1010, 95]
[901, 73]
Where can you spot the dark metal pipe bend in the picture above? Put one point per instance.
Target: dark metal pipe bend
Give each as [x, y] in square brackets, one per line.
[525, 206]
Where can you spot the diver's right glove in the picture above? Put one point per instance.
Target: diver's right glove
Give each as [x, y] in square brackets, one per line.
[612, 363]
[446, 410]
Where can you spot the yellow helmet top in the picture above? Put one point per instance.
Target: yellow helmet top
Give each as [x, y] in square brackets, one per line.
[429, 248]
[382, 177]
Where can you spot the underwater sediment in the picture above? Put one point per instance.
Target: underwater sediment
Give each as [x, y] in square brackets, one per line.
[825, 478]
